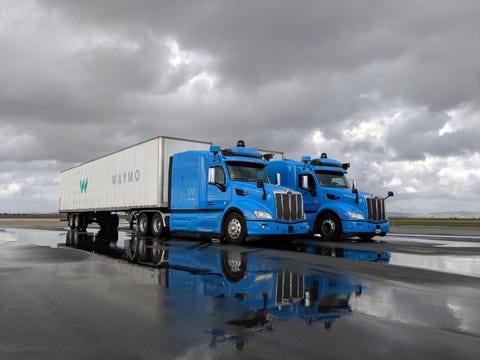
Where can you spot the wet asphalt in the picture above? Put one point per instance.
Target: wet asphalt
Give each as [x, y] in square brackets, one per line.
[68, 295]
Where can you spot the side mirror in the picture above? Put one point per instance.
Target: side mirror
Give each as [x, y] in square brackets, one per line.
[355, 191]
[390, 194]
[261, 185]
[354, 187]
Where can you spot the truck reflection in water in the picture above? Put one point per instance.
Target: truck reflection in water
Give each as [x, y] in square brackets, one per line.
[353, 254]
[266, 293]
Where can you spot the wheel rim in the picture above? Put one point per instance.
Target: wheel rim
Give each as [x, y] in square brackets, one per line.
[328, 227]
[156, 225]
[234, 228]
[143, 224]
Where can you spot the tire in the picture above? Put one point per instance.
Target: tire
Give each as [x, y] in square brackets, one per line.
[80, 222]
[234, 229]
[157, 225]
[114, 221]
[143, 224]
[83, 222]
[329, 227]
[71, 221]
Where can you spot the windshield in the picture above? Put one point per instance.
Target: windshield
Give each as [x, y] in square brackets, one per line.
[247, 171]
[332, 179]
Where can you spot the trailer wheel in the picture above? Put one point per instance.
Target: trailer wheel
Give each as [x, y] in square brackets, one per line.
[71, 221]
[114, 221]
[328, 225]
[80, 222]
[143, 224]
[235, 229]
[157, 225]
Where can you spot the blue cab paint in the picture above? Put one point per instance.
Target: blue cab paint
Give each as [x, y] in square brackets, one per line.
[333, 208]
[227, 193]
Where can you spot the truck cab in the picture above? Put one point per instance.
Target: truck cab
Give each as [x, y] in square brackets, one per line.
[227, 194]
[333, 207]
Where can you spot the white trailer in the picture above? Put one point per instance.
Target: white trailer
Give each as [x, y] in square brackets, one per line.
[130, 179]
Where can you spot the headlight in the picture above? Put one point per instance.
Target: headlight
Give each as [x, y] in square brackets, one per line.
[355, 215]
[262, 214]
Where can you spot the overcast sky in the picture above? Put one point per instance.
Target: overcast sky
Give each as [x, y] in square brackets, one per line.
[393, 87]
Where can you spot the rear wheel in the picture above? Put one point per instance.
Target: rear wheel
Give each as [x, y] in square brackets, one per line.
[235, 229]
[114, 221]
[143, 224]
[71, 221]
[80, 222]
[328, 226]
[157, 225]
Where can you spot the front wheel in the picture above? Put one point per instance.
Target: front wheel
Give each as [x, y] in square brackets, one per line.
[329, 227]
[235, 229]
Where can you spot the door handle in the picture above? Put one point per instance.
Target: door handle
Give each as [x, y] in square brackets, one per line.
[210, 203]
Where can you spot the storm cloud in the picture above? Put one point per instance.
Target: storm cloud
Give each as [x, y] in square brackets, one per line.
[391, 87]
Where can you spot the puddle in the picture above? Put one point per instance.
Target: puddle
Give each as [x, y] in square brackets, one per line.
[346, 253]
[8, 236]
[191, 297]
[463, 265]
[260, 296]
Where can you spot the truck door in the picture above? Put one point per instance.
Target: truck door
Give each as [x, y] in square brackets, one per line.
[218, 195]
[310, 193]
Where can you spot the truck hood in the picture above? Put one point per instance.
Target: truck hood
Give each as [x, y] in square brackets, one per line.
[252, 188]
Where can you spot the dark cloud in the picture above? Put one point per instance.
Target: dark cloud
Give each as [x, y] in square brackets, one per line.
[371, 82]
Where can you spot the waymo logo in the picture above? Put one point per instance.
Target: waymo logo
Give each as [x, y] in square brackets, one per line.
[83, 185]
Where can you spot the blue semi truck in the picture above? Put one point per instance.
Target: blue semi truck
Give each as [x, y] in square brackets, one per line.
[184, 187]
[333, 208]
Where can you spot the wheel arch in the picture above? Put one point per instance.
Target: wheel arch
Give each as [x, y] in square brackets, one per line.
[225, 215]
[325, 212]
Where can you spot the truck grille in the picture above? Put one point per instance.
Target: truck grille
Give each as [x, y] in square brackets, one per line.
[290, 287]
[376, 209]
[289, 206]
